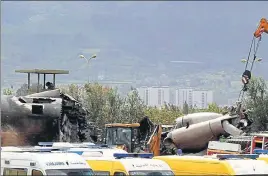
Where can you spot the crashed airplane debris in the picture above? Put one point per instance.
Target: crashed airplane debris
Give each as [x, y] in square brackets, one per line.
[43, 111]
[193, 132]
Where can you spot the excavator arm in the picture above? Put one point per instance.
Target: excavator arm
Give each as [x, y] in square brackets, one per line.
[263, 27]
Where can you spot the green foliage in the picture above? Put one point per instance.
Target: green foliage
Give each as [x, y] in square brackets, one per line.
[257, 102]
[8, 91]
[105, 105]
[165, 115]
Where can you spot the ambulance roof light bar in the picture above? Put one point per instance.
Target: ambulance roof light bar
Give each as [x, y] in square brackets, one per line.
[66, 144]
[45, 144]
[260, 151]
[133, 155]
[237, 156]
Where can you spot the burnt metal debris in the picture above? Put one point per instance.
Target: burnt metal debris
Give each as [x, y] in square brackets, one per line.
[48, 116]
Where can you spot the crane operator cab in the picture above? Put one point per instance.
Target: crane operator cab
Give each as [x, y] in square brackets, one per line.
[124, 136]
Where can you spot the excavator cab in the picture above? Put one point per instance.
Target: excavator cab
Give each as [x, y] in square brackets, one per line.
[122, 135]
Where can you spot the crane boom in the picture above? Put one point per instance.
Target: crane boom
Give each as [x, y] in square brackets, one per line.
[263, 27]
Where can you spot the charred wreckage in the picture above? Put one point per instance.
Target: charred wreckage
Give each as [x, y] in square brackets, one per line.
[49, 113]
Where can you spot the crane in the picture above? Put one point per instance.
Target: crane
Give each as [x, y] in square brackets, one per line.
[246, 76]
[263, 27]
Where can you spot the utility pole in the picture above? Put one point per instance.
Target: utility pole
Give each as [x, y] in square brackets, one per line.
[87, 60]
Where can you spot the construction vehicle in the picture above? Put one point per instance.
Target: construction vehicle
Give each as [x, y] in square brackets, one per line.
[130, 137]
[122, 135]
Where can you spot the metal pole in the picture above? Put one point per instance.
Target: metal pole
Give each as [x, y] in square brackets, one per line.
[88, 71]
[54, 80]
[44, 86]
[29, 80]
[38, 84]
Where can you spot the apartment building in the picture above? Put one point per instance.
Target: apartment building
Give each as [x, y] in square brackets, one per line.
[155, 96]
[158, 96]
[195, 98]
[184, 95]
[201, 98]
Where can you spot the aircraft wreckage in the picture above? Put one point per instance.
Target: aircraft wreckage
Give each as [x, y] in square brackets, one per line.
[49, 113]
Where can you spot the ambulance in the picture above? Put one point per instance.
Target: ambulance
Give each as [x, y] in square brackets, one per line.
[41, 163]
[122, 164]
[59, 147]
[221, 164]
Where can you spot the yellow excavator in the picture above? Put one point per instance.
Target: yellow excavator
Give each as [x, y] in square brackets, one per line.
[128, 137]
[122, 135]
[135, 137]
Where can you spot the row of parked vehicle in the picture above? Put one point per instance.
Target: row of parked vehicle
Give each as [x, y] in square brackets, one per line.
[89, 159]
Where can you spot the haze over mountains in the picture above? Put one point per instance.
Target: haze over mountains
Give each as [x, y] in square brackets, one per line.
[134, 41]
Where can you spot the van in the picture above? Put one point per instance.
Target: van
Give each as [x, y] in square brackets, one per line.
[43, 163]
[122, 164]
[215, 165]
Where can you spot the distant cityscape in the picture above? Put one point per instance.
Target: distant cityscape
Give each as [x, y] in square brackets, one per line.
[158, 96]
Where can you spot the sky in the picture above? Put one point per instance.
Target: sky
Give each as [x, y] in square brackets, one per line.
[52, 34]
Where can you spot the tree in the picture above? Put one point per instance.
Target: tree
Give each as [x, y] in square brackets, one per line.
[133, 107]
[185, 108]
[213, 107]
[8, 91]
[257, 103]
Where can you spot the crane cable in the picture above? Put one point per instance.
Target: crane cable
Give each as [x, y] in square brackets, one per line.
[244, 88]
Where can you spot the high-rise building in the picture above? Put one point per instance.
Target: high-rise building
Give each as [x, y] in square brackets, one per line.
[184, 95]
[155, 96]
[158, 96]
[201, 98]
[195, 98]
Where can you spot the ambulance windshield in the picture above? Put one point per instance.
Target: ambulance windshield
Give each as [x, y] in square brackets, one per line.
[70, 172]
[152, 173]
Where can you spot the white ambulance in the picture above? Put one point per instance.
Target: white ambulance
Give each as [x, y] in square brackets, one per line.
[43, 163]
